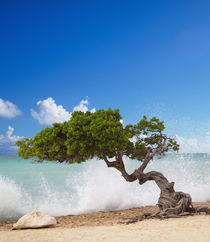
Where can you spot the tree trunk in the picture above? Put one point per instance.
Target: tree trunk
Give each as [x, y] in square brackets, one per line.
[170, 203]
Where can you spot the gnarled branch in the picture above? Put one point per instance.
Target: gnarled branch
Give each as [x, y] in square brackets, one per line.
[119, 165]
[149, 156]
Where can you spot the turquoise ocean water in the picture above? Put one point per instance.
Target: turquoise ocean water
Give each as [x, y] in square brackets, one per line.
[62, 189]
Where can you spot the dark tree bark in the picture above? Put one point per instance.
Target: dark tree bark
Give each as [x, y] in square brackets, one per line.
[170, 202]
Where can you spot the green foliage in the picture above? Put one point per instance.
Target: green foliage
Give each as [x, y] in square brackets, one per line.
[98, 134]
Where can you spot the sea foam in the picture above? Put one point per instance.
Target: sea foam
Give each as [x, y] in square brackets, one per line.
[94, 187]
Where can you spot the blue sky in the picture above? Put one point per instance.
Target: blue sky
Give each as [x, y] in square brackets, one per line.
[143, 57]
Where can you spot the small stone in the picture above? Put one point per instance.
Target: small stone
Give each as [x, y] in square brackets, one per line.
[34, 220]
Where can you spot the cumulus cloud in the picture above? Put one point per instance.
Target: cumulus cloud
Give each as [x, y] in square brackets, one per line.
[7, 140]
[49, 112]
[83, 106]
[193, 145]
[8, 109]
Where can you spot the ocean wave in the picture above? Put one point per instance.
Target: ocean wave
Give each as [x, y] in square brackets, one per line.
[94, 187]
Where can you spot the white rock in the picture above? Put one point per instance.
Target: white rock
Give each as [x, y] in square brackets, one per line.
[34, 220]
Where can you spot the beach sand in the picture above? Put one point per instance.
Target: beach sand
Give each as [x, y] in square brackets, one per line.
[106, 226]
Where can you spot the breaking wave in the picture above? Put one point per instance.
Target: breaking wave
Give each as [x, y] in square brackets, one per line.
[94, 187]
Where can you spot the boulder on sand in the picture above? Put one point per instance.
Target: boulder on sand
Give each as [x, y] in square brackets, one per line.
[35, 220]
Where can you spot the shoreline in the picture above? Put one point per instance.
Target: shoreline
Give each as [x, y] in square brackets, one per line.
[101, 218]
[106, 227]
[191, 228]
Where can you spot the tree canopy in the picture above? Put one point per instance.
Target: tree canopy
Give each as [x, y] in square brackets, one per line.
[100, 134]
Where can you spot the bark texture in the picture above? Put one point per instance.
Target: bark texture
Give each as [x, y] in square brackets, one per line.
[170, 203]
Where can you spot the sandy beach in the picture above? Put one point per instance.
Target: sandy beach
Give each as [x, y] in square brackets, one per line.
[106, 226]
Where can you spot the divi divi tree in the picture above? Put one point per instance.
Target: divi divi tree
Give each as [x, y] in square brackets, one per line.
[102, 135]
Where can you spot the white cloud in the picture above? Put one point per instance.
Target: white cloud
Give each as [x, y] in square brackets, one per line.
[7, 140]
[83, 106]
[8, 109]
[193, 145]
[49, 112]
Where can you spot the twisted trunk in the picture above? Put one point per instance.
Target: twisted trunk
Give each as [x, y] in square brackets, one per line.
[170, 202]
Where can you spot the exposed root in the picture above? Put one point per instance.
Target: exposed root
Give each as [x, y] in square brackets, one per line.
[136, 219]
[200, 209]
[164, 215]
[171, 204]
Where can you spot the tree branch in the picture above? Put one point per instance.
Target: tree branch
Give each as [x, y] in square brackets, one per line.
[119, 165]
[149, 156]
